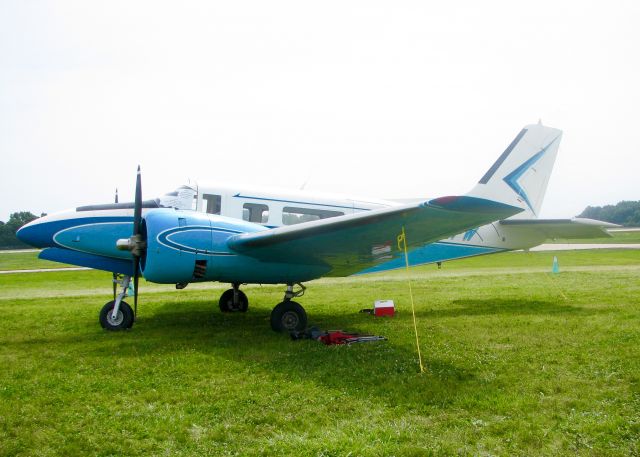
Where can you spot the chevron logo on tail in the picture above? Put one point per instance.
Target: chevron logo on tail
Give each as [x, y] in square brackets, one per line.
[512, 178]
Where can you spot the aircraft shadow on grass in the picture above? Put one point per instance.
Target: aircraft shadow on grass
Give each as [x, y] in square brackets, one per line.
[382, 373]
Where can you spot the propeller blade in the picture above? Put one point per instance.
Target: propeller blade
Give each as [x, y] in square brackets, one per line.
[136, 277]
[137, 208]
[115, 275]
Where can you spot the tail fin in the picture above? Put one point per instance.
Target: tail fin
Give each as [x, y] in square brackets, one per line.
[521, 174]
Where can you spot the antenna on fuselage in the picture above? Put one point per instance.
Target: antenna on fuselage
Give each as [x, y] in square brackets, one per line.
[304, 184]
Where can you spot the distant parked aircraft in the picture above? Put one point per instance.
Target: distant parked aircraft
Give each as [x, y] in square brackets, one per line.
[241, 236]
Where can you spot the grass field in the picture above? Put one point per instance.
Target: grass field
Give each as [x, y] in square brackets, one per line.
[519, 362]
[25, 261]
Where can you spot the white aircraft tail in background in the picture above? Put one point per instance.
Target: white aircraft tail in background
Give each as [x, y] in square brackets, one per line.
[520, 175]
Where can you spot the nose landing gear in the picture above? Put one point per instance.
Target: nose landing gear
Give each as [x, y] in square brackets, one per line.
[117, 314]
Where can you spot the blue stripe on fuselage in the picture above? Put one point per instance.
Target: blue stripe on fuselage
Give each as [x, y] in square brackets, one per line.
[83, 259]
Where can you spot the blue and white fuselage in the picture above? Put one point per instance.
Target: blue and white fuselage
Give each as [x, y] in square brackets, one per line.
[87, 235]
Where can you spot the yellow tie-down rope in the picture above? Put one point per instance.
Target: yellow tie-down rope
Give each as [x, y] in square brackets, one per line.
[402, 245]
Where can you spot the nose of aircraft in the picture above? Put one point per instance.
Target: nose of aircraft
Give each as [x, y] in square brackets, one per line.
[34, 234]
[39, 233]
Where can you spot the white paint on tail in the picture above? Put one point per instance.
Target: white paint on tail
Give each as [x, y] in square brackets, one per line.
[521, 174]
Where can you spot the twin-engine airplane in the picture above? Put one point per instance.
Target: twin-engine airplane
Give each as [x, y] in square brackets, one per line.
[240, 236]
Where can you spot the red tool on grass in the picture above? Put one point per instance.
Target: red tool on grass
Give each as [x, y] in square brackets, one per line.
[332, 337]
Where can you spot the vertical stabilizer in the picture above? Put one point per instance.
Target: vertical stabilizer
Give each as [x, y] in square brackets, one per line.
[520, 175]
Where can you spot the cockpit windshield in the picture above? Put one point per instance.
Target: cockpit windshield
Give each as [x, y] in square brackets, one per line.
[181, 198]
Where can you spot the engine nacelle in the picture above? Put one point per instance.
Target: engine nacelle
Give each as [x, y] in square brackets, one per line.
[186, 246]
[183, 245]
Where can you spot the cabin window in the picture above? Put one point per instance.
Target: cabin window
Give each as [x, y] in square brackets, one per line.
[211, 203]
[292, 215]
[255, 212]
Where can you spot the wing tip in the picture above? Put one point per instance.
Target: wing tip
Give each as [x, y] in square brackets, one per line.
[465, 203]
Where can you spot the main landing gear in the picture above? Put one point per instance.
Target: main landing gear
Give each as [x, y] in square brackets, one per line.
[285, 317]
[117, 314]
[289, 315]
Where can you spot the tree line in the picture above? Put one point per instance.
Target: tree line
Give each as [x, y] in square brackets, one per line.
[625, 213]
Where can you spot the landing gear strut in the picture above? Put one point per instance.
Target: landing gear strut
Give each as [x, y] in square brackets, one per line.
[234, 300]
[288, 315]
[117, 314]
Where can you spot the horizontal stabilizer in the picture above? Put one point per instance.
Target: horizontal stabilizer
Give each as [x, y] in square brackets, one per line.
[560, 228]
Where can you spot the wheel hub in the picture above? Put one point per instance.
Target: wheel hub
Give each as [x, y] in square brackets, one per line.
[117, 321]
[290, 320]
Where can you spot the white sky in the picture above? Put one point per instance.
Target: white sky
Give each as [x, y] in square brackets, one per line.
[380, 99]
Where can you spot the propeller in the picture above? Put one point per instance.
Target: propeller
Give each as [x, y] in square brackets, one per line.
[136, 244]
[115, 275]
[137, 252]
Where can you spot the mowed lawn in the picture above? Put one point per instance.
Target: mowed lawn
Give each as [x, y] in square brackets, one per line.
[519, 362]
[15, 260]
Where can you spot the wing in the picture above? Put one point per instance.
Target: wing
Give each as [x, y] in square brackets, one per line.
[559, 228]
[349, 244]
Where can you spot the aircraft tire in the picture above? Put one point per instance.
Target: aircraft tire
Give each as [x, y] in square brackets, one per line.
[226, 302]
[288, 316]
[123, 321]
